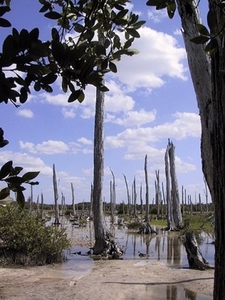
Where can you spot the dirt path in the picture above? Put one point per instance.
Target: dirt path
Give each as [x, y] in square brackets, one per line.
[112, 280]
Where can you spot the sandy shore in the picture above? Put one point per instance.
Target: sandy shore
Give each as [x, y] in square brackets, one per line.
[116, 279]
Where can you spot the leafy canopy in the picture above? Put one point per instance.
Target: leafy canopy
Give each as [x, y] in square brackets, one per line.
[73, 53]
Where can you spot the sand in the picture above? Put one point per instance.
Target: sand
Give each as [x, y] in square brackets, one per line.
[112, 279]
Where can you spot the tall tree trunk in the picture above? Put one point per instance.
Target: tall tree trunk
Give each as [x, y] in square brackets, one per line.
[141, 199]
[210, 90]
[135, 198]
[174, 188]
[73, 199]
[56, 196]
[170, 220]
[217, 143]
[128, 195]
[98, 173]
[146, 190]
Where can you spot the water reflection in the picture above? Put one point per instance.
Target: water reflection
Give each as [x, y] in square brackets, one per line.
[174, 292]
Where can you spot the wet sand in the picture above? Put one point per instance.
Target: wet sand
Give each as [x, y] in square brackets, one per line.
[116, 279]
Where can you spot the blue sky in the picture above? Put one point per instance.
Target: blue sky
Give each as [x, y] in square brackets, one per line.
[151, 99]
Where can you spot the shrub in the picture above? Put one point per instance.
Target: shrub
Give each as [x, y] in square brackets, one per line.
[25, 239]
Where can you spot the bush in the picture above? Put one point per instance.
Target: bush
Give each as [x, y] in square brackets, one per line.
[25, 239]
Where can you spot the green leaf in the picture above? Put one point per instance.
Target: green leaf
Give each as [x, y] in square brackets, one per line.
[131, 52]
[103, 88]
[3, 10]
[112, 67]
[138, 24]
[34, 34]
[55, 34]
[74, 96]
[52, 15]
[4, 23]
[81, 96]
[133, 32]
[6, 169]
[78, 28]
[23, 95]
[4, 193]
[15, 180]
[202, 29]
[201, 39]
[29, 176]
[155, 2]
[211, 46]
[49, 79]
[171, 8]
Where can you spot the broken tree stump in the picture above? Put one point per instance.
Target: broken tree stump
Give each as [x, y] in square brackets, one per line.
[194, 255]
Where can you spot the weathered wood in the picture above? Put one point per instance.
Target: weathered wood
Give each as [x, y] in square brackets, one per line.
[194, 255]
[146, 190]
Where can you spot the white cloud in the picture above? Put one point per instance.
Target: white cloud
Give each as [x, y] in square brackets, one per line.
[160, 55]
[84, 141]
[157, 15]
[47, 147]
[27, 113]
[68, 112]
[28, 162]
[136, 139]
[133, 118]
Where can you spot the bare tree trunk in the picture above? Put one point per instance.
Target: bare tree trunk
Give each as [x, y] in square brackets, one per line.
[135, 198]
[113, 193]
[56, 196]
[170, 221]
[128, 195]
[141, 199]
[73, 199]
[158, 195]
[177, 217]
[146, 190]
[42, 202]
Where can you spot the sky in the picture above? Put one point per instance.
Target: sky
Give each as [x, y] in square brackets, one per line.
[151, 100]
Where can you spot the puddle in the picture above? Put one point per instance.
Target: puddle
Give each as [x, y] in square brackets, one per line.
[173, 292]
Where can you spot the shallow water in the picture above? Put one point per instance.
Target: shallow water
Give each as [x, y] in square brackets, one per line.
[166, 247]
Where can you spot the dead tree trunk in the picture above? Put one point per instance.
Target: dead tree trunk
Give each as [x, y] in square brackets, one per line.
[141, 199]
[73, 199]
[128, 195]
[194, 255]
[158, 195]
[174, 188]
[135, 198]
[170, 220]
[146, 190]
[56, 196]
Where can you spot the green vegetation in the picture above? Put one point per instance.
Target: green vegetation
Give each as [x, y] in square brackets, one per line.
[26, 240]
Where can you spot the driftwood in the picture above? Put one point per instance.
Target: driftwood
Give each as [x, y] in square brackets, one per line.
[194, 255]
